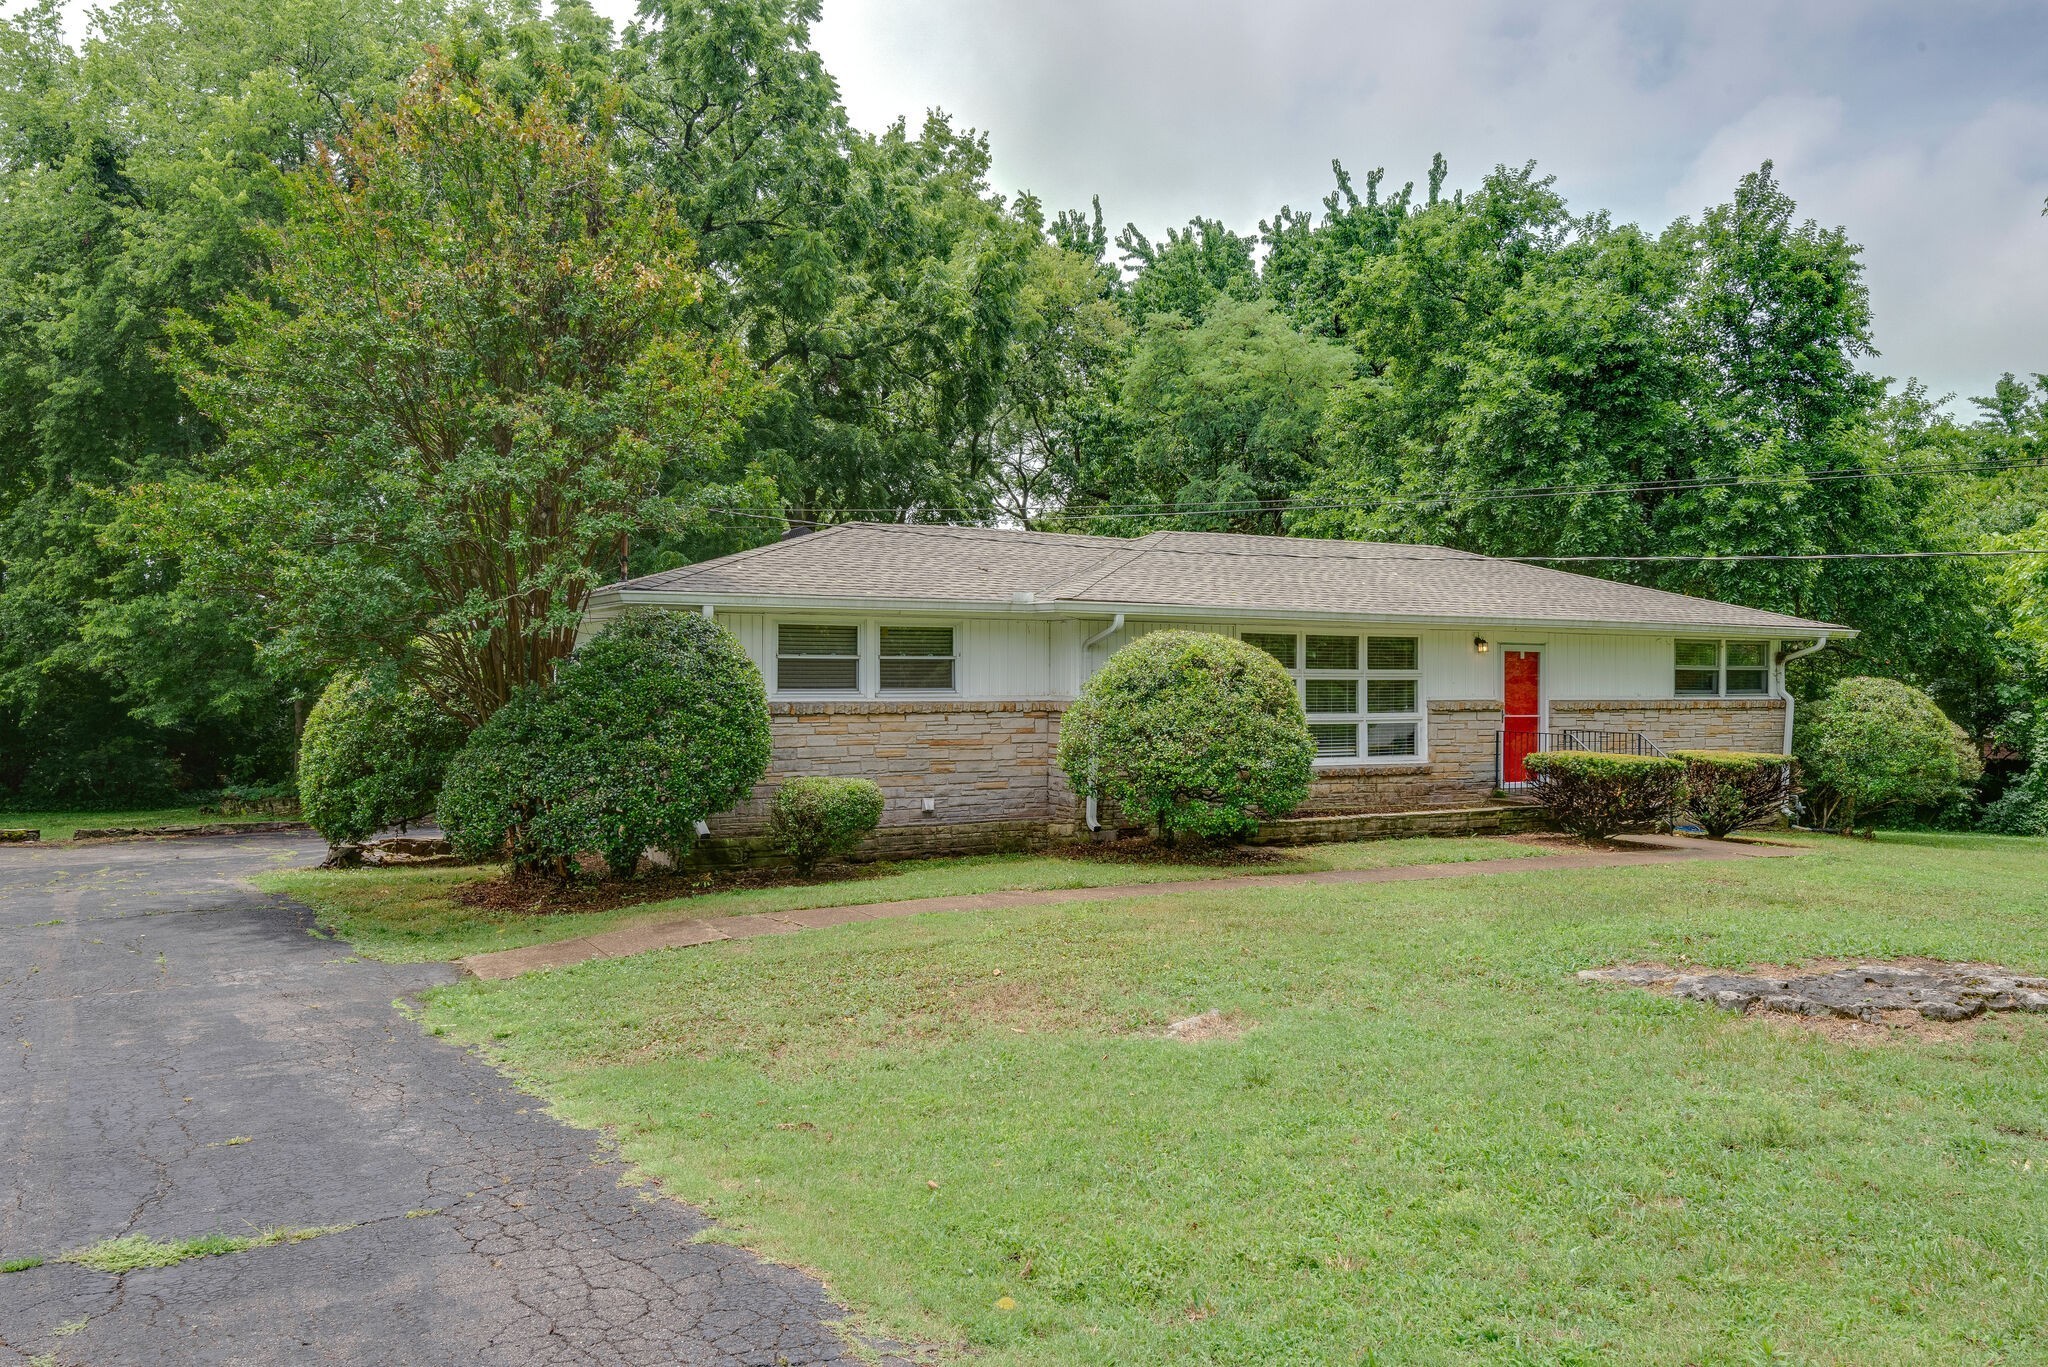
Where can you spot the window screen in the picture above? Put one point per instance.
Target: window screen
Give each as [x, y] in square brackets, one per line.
[810, 658]
[1332, 652]
[1331, 695]
[1386, 739]
[1390, 695]
[1698, 672]
[1391, 653]
[917, 658]
[1335, 740]
[1280, 646]
[1749, 669]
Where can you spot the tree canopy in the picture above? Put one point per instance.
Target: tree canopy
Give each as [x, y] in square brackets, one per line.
[373, 339]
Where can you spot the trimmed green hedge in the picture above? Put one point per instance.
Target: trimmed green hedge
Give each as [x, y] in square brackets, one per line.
[1873, 744]
[655, 723]
[1198, 734]
[1595, 795]
[1726, 790]
[372, 755]
[816, 818]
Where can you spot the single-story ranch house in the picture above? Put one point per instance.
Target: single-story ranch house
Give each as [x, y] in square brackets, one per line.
[937, 661]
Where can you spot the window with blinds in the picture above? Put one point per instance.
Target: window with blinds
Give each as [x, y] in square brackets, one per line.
[916, 659]
[1362, 694]
[811, 658]
[1713, 669]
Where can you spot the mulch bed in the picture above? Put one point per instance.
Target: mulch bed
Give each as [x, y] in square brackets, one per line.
[538, 895]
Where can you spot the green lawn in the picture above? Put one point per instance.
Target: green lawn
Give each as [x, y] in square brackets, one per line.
[60, 825]
[407, 915]
[1432, 1144]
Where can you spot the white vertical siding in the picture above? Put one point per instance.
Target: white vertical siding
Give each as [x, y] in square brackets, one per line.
[1018, 658]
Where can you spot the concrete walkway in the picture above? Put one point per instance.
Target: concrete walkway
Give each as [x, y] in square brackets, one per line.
[682, 932]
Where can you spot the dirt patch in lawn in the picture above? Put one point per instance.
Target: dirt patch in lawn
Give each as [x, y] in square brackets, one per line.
[1210, 1025]
[538, 895]
[1851, 1000]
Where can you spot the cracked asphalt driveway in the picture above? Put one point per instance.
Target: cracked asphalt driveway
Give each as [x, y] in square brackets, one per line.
[157, 1009]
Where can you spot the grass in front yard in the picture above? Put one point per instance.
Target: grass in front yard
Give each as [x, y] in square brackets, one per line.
[409, 915]
[60, 825]
[1431, 1144]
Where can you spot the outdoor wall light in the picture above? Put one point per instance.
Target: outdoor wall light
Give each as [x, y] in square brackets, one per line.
[1480, 644]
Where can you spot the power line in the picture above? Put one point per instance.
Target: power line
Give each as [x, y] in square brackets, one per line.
[949, 532]
[1161, 508]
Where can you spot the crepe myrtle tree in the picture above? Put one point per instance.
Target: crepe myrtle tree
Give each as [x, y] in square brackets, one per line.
[1200, 735]
[656, 723]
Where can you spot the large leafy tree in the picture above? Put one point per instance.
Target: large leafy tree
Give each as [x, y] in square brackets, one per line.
[462, 387]
[875, 277]
[130, 172]
[1539, 383]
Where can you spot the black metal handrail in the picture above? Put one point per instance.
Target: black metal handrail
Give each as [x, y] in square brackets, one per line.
[1517, 746]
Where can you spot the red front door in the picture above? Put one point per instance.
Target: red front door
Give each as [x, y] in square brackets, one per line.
[1522, 685]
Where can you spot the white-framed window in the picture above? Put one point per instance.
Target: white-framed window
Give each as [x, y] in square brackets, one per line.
[1363, 694]
[817, 657]
[1721, 669]
[916, 659]
[865, 659]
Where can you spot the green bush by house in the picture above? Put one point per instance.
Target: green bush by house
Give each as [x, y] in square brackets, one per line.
[816, 818]
[2022, 809]
[655, 724]
[1596, 795]
[1726, 790]
[1199, 735]
[1874, 744]
[373, 754]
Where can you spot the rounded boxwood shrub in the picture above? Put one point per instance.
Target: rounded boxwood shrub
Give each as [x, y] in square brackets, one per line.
[1596, 795]
[1726, 790]
[1871, 744]
[372, 755]
[816, 818]
[1198, 734]
[656, 723]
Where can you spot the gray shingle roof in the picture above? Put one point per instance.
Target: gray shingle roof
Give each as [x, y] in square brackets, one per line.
[869, 561]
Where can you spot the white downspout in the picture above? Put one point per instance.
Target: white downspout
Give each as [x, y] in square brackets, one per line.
[1116, 624]
[1093, 816]
[1784, 688]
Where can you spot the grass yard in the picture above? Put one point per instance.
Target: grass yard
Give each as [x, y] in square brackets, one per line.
[1431, 1144]
[408, 915]
[60, 825]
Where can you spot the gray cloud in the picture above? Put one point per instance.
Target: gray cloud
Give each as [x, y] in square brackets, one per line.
[1922, 129]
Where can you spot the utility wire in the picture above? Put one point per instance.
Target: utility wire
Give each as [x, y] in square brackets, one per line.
[951, 532]
[1511, 492]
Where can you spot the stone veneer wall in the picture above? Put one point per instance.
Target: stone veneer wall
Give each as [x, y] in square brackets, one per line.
[985, 762]
[1683, 723]
[1459, 771]
[979, 761]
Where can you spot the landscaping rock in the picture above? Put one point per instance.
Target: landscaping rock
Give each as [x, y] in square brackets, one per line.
[18, 835]
[1935, 991]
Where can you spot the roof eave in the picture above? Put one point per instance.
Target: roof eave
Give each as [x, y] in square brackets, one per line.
[1037, 606]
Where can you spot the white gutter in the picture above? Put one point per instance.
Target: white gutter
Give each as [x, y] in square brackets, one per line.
[1042, 607]
[1116, 625]
[1785, 691]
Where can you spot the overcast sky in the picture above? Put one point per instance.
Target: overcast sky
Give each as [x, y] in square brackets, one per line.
[1921, 127]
